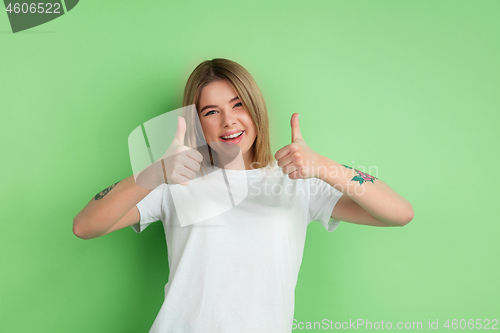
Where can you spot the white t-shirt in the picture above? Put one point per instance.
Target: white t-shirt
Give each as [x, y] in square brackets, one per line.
[237, 271]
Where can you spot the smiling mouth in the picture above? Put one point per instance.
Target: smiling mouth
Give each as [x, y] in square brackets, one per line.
[229, 139]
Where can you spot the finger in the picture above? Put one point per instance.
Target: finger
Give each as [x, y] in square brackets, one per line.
[188, 173]
[294, 175]
[282, 152]
[179, 178]
[294, 122]
[284, 161]
[288, 169]
[181, 130]
[195, 155]
[191, 164]
[185, 182]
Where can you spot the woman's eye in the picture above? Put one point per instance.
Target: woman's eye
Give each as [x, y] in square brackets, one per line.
[209, 112]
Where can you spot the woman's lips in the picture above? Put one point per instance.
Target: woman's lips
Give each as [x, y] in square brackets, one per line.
[235, 140]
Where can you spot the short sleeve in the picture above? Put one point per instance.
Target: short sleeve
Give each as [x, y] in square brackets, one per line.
[322, 199]
[150, 208]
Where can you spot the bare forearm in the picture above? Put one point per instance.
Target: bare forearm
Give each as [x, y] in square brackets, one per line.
[107, 207]
[375, 196]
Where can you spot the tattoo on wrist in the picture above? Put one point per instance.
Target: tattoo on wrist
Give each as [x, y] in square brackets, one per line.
[361, 177]
[101, 194]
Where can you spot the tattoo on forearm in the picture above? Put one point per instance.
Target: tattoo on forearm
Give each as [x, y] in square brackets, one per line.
[101, 194]
[361, 177]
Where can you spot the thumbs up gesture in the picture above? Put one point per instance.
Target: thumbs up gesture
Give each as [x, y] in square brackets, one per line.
[180, 163]
[297, 159]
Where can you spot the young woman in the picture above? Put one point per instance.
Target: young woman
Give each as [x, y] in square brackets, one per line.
[236, 270]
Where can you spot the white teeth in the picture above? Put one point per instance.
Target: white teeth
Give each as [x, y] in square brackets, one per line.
[232, 136]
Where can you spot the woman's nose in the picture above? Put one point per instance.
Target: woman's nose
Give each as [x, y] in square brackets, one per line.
[228, 118]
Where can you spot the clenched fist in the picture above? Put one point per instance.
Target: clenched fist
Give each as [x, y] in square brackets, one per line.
[297, 159]
[178, 165]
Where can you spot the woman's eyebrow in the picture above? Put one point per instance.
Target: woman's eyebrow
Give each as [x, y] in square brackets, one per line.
[214, 106]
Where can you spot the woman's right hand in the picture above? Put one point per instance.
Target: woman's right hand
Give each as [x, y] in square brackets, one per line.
[180, 163]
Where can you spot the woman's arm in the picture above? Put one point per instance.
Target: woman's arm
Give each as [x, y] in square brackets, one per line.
[367, 200]
[114, 207]
[368, 192]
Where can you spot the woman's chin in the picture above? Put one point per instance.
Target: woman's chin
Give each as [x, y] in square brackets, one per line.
[226, 151]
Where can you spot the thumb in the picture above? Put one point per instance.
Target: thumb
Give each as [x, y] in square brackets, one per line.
[181, 130]
[294, 122]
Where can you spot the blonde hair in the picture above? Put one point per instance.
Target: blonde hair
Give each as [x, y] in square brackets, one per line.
[250, 96]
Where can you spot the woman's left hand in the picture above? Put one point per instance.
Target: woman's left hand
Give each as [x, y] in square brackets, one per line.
[297, 159]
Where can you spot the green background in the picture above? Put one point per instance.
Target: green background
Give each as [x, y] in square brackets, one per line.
[410, 88]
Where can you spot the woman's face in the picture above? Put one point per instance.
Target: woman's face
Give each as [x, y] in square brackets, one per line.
[222, 114]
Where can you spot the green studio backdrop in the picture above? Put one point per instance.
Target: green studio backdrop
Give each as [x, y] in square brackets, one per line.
[409, 88]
